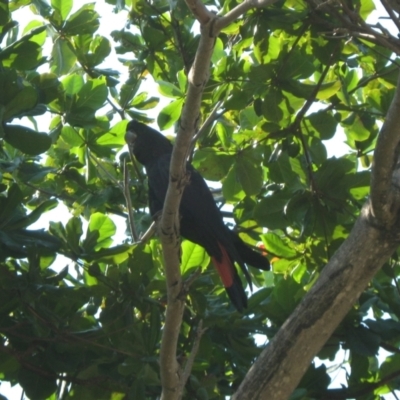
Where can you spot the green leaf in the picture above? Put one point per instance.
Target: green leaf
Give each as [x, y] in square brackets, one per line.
[26, 139]
[182, 80]
[142, 102]
[63, 7]
[305, 90]
[390, 365]
[115, 255]
[270, 106]
[275, 245]
[71, 136]
[152, 330]
[72, 84]
[366, 7]
[23, 54]
[127, 93]
[299, 65]
[231, 187]
[24, 100]
[84, 21]
[4, 12]
[193, 256]
[212, 164]
[153, 37]
[169, 90]
[354, 127]
[269, 211]
[34, 215]
[100, 230]
[218, 52]
[248, 118]
[170, 114]
[324, 123]
[10, 204]
[92, 95]
[74, 232]
[62, 57]
[298, 210]
[236, 100]
[363, 341]
[250, 173]
[101, 48]
[36, 386]
[115, 137]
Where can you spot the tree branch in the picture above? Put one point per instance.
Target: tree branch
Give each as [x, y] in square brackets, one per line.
[200, 11]
[129, 207]
[385, 160]
[190, 361]
[169, 226]
[279, 368]
[239, 10]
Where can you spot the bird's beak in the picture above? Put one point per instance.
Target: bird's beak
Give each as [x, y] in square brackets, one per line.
[130, 137]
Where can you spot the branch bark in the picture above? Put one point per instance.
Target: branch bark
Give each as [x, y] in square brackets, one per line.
[385, 160]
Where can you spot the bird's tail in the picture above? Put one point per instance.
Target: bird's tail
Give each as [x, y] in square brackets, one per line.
[230, 279]
[250, 256]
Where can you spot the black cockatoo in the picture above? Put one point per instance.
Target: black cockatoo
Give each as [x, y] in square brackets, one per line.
[201, 221]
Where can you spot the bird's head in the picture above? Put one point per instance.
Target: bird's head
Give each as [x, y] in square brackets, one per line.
[146, 143]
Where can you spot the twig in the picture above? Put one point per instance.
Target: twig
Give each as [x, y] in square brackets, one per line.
[239, 10]
[192, 278]
[98, 165]
[346, 393]
[210, 119]
[129, 207]
[312, 97]
[392, 15]
[125, 190]
[149, 233]
[190, 361]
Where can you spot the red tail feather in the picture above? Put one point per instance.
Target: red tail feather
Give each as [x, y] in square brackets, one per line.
[230, 279]
[225, 268]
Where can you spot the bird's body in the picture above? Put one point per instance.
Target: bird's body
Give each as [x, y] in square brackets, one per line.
[200, 219]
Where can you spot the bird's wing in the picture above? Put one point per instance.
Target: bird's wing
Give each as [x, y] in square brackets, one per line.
[158, 179]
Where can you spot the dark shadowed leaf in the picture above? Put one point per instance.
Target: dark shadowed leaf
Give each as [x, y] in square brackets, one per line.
[26, 139]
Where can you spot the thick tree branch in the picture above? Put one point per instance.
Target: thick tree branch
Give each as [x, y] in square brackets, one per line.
[279, 368]
[385, 160]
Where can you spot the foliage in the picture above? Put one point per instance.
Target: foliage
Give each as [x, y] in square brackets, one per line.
[92, 330]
